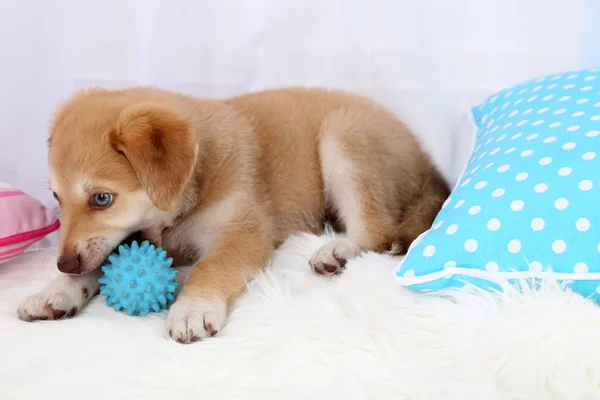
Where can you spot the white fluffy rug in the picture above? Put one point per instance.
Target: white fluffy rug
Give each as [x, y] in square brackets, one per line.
[295, 335]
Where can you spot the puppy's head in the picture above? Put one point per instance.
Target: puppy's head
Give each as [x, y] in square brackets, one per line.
[117, 162]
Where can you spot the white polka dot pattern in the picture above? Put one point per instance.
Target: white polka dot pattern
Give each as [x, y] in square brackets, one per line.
[527, 200]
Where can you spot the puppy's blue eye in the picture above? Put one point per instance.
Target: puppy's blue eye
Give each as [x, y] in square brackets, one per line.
[102, 200]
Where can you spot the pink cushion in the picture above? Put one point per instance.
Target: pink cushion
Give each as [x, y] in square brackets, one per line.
[23, 221]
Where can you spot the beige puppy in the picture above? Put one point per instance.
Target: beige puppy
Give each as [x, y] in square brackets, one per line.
[221, 183]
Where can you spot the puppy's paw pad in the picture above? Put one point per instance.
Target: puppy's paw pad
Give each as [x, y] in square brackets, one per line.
[44, 306]
[191, 320]
[331, 258]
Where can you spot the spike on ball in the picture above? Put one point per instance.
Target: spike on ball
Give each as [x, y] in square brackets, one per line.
[138, 279]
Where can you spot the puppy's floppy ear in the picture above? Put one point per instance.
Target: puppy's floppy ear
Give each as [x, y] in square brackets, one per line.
[161, 147]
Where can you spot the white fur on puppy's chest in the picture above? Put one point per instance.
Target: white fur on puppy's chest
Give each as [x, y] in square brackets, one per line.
[200, 230]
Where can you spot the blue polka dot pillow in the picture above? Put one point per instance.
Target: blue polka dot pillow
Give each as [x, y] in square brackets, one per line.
[528, 202]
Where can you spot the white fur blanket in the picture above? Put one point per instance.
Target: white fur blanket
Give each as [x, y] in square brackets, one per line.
[296, 335]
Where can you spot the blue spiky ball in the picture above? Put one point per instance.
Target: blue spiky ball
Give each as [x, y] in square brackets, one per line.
[138, 279]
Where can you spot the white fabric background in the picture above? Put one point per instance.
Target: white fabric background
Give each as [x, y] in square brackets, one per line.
[429, 61]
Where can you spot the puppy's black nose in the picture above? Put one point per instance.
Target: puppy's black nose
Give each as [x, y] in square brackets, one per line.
[69, 265]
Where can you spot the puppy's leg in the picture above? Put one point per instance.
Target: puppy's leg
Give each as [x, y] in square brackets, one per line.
[374, 172]
[241, 251]
[63, 297]
[366, 227]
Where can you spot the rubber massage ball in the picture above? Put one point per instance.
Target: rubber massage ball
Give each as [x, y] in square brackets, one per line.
[138, 279]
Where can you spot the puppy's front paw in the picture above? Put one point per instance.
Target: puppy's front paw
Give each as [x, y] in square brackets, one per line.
[331, 258]
[53, 305]
[192, 319]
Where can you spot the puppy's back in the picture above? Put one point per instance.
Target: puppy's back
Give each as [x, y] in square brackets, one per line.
[295, 128]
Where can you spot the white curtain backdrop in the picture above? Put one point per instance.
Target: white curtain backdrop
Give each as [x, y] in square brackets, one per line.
[428, 60]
